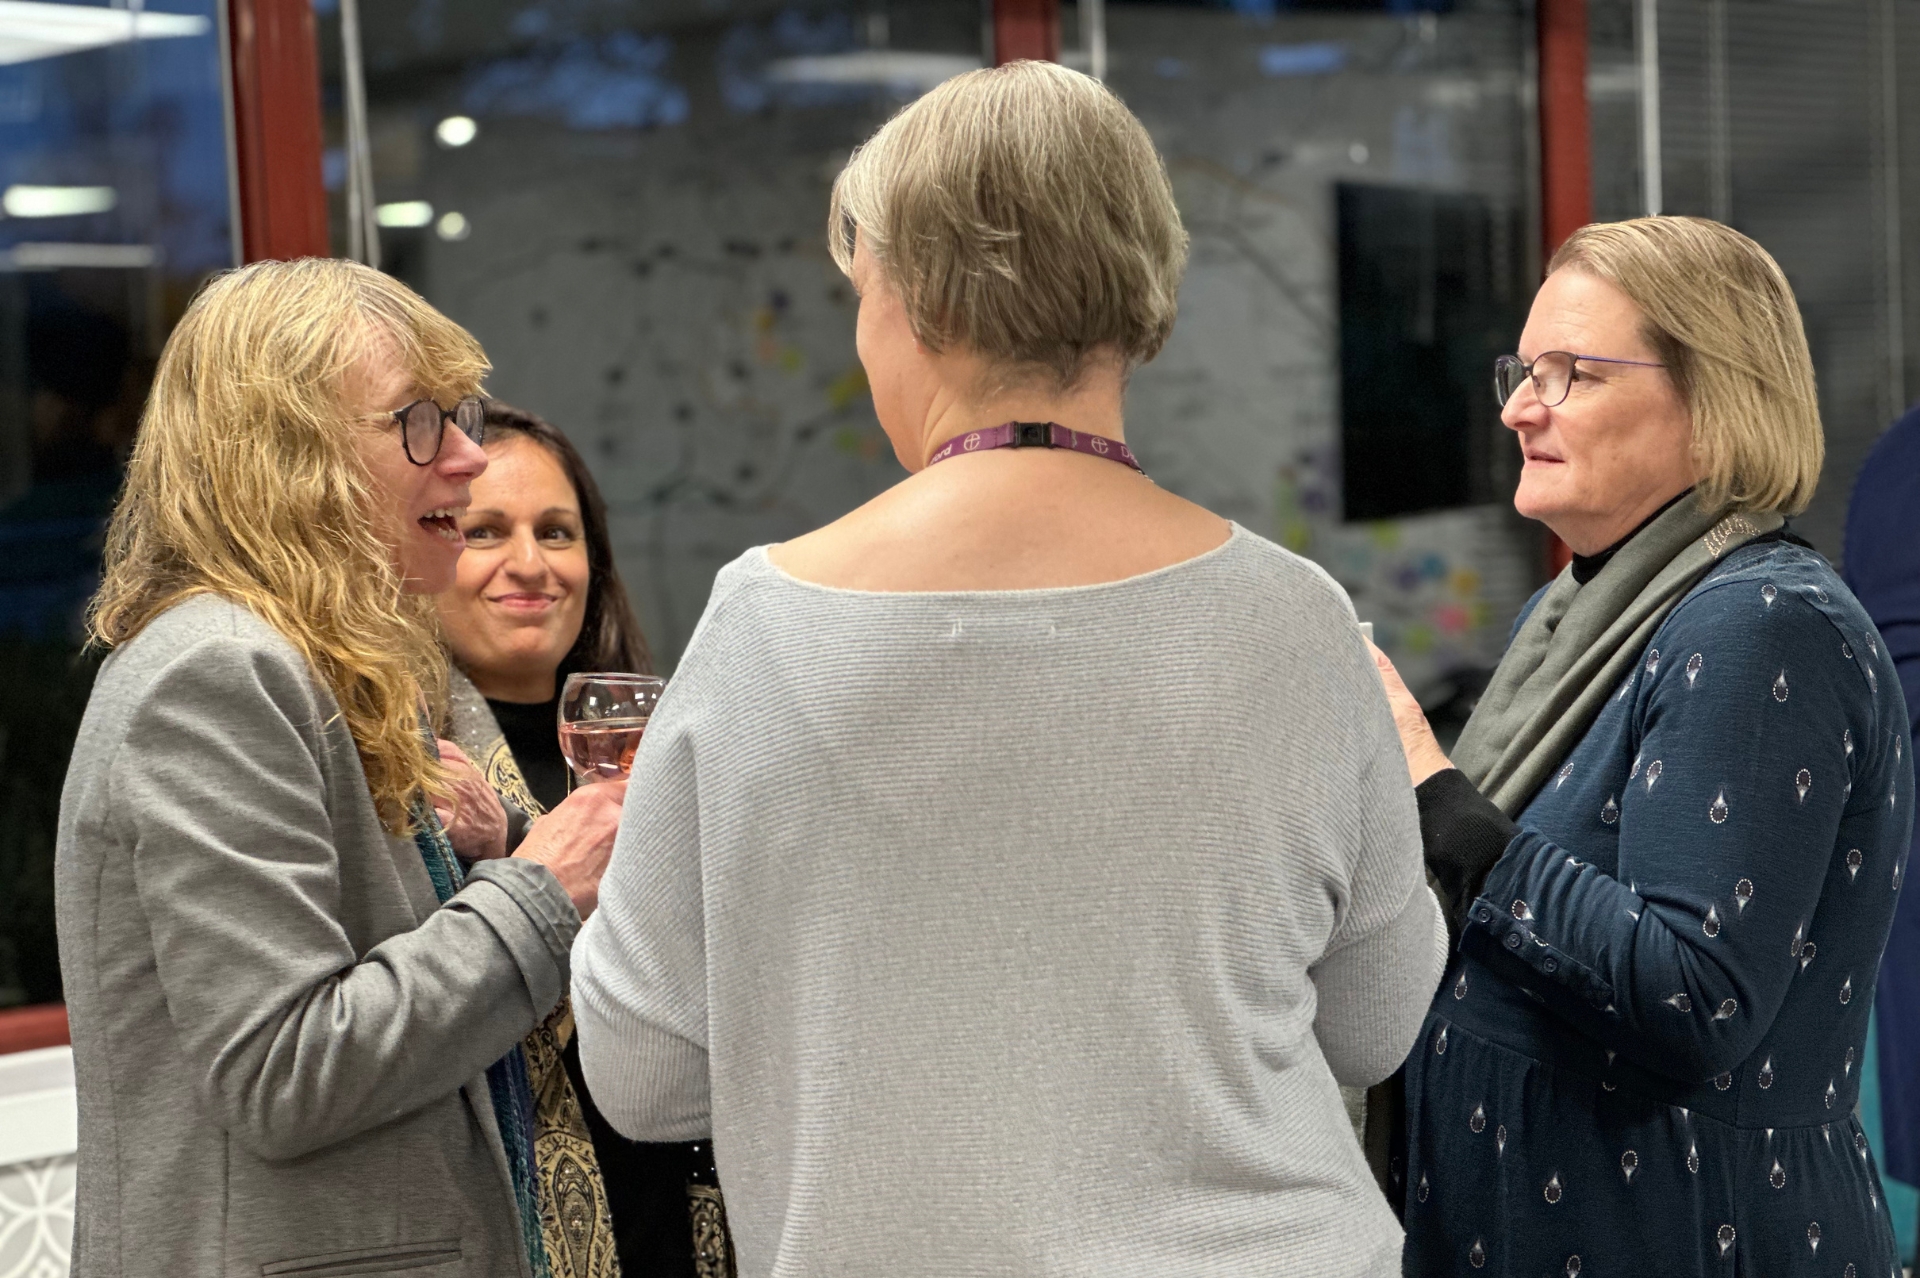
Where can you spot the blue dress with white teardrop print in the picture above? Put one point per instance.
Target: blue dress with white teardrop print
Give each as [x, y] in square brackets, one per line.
[1646, 1052]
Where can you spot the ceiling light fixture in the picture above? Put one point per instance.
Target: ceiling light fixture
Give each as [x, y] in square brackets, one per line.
[55, 257]
[34, 29]
[890, 67]
[404, 213]
[456, 131]
[57, 201]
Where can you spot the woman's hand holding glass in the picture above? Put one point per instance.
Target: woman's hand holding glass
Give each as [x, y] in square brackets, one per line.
[575, 840]
[602, 717]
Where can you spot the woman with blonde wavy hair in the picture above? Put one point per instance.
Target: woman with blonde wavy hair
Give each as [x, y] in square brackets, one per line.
[299, 963]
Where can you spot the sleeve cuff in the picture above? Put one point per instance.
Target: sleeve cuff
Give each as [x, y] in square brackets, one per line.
[1463, 835]
[536, 922]
[1501, 929]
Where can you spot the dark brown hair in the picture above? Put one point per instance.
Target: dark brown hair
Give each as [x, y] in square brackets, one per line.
[610, 637]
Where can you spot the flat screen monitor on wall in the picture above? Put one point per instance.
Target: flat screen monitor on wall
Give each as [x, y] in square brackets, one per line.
[1431, 290]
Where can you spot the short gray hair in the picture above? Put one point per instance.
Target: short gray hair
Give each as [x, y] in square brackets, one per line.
[1023, 214]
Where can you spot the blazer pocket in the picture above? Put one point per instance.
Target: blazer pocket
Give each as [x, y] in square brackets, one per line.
[366, 1260]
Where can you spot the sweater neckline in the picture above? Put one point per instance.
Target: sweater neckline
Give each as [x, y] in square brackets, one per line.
[1235, 534]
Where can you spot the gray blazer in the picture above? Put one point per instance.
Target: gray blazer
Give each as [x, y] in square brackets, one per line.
[280, 1037]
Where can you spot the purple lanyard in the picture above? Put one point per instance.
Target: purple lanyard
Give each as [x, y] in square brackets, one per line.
[1036, 435]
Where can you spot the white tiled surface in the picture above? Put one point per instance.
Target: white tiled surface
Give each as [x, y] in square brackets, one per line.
[37, 1140]
[36, 1218]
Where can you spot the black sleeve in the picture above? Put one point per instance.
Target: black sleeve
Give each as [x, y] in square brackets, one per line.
[1463, 834]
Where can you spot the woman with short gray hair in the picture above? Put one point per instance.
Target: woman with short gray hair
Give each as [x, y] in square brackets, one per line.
[1678, 821]
[1016, 867]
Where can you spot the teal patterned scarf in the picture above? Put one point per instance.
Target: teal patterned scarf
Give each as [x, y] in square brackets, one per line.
[506, 1077]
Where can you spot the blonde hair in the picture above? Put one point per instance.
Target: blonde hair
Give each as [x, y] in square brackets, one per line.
[245, 483]
[1022, 213]
[1722, 317]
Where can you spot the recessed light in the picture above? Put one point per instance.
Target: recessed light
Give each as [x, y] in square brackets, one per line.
[33, 29]
[57, 201]
[456, 130]
[404, 213]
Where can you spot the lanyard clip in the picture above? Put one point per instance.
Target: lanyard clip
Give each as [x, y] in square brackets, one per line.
[1031, 435]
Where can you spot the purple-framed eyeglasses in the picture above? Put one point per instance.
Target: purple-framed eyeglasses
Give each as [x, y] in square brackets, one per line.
[1552, 374]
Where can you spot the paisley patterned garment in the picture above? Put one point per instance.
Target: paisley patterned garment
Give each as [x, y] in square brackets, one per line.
[575, 1221]
[1646, 1054]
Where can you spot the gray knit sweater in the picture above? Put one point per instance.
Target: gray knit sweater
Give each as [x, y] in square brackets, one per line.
[1020, 932]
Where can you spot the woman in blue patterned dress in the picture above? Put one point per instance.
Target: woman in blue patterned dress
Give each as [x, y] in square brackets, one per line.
[1675, 828]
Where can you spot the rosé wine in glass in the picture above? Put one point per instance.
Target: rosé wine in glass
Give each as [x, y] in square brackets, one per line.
[602, 719]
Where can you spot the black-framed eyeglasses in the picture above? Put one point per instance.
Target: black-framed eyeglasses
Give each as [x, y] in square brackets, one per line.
[423, 425]
[1552, 374]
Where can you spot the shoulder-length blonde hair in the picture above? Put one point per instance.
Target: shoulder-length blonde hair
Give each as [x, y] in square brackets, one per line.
[245, 483]
[1722, 317]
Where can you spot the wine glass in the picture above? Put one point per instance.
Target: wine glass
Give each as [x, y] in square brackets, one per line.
[602, 718]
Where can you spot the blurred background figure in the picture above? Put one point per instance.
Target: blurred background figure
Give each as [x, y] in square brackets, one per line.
[536, 598]
[1883, 567]
[83, 399]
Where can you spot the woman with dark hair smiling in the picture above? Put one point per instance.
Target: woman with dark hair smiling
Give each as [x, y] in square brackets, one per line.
[537, 598]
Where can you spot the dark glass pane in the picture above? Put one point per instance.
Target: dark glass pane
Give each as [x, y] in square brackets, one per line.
[113, 179]
[1422, 318]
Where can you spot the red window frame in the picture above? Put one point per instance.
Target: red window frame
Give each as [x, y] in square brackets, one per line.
[274, 72]
[1566, 147]
[22, 1029]
[1026, 29]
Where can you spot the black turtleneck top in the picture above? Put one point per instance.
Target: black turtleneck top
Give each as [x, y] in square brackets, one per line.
[646, 1182]
[1587, 567]
[532, 730]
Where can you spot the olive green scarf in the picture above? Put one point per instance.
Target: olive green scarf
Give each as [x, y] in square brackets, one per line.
[1581, 642]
